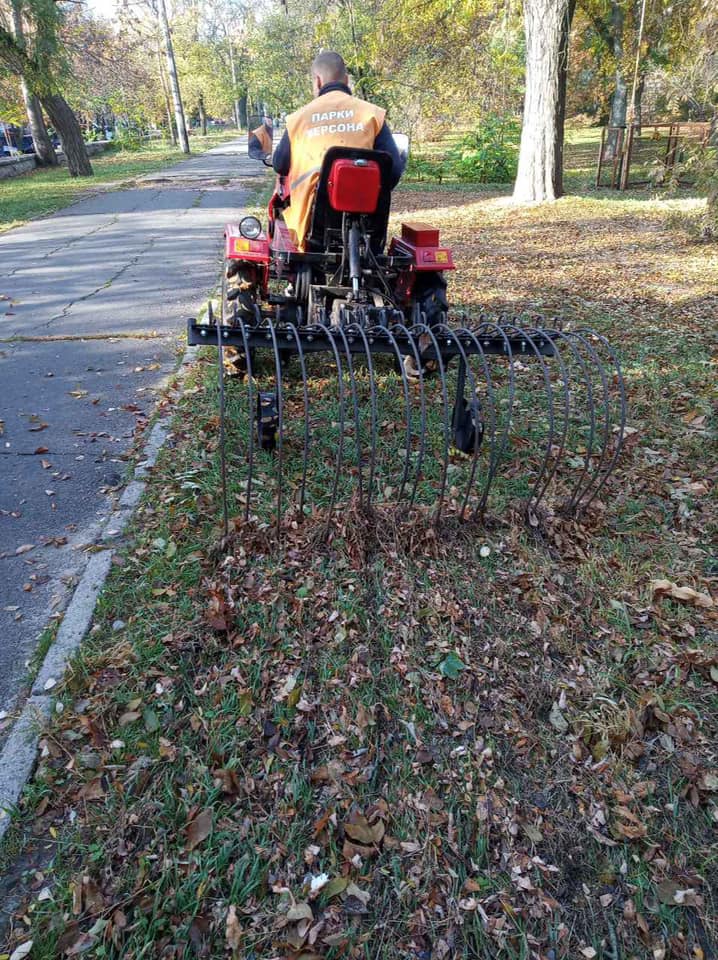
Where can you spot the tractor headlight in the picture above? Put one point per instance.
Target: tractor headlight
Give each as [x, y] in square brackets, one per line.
[250, 228]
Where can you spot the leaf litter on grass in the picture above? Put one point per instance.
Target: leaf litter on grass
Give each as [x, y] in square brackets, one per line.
[387, 742]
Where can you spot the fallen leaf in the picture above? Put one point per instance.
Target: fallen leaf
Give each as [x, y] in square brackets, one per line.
[233, 929]
[151, 720]
[360, 830]
[300, 911]
[666, 588]
[557, 719]
[452, 666]
[335, 886]
[674, 894]
[127, 718]
[199, 829]
[22, 951]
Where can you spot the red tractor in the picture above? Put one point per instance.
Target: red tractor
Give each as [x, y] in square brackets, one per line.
[349, 296]
[346, 271]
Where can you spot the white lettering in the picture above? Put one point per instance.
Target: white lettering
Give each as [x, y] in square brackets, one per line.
[331, 128]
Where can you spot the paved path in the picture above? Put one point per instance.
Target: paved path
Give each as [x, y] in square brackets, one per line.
[135, 263]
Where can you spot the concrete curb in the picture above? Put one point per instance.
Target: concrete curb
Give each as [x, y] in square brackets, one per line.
[18, 756]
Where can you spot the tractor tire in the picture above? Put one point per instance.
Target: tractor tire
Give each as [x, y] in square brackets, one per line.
[430, 298]
[235, 361]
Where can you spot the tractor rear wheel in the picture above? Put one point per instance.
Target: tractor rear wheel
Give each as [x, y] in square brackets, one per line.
[429, 305]
[235, 361]
[430, 299]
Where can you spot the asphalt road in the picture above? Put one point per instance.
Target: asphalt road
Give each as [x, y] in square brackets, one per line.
[126, 268]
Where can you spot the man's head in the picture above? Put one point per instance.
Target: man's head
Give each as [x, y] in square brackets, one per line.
[328, 67]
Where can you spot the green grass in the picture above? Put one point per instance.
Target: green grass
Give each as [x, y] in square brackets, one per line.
[42, 192]
[394, 680]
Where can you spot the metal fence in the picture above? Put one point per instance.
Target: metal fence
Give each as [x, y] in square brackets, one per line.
[648, 153]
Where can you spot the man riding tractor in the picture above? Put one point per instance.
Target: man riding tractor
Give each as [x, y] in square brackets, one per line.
[260, 140]
[334, 118]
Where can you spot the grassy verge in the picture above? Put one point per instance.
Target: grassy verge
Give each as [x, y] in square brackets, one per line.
[44, 191]
[392, 743]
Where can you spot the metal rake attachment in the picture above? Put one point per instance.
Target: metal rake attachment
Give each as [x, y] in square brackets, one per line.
[419, 415]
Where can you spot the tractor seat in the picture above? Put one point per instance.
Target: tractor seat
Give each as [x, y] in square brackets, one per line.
[352, 181]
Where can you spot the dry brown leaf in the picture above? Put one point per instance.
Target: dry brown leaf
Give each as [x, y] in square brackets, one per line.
[300, 911]
[361, 831]
[129, 717]
[199, 829]
[233, 930]
[675, 894]
[666, 588]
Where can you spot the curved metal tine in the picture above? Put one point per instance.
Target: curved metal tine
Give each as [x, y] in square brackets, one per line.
[568, 337]
[464, 332]
[445, 400]
[305, 388]
[422, 401]
[280, 414]
[340, 445]
[447, 331]
[355, 407]
[222, 413]
[407, 405]
[551, 418]
[252, 414]
[622, 421]
[493, 467]
[557, 457]
[358, 328]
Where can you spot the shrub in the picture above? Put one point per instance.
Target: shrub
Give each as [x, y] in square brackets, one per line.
[421, 168]
[128, 138]
[489, 154]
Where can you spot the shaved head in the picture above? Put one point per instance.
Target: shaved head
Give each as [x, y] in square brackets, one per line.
[329, 67]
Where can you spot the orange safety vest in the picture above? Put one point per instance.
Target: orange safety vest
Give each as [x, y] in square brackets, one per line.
[265, 141]
[335, 119]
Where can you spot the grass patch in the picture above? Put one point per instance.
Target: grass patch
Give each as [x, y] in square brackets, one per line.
[493, 756]
[42, 192]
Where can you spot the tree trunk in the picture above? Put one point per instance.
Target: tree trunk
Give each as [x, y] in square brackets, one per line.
[235, 101]
[202, 115]
[168, 108]
[173, 78]
[243, 111]
[68, 129]
[44, 150]
[561, 101]
[638, 102]
[619, 98]
[543, 20]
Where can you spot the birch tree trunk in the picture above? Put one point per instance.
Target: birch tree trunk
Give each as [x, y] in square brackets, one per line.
[235, 101]
[165, 93]
[173, 78]
[619, 98]
[543, 20]
[559, 129]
